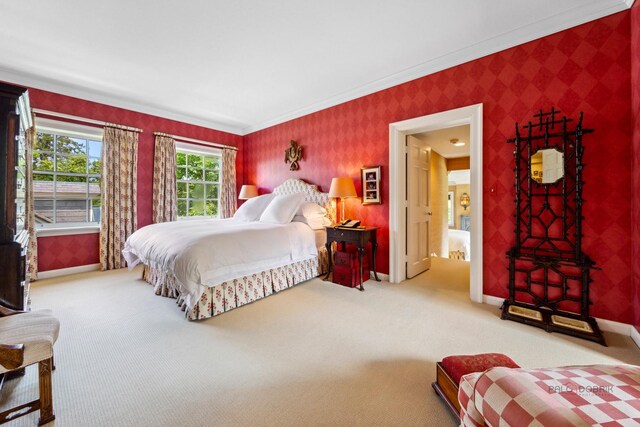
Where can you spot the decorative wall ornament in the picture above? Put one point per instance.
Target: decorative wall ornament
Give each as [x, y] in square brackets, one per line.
[293, 155]
[549, 275]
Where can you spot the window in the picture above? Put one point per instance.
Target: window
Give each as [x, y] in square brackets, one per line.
[66, 174]
[198, 179]
[450, 210]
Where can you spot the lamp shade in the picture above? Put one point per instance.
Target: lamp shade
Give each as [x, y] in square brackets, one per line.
[247, 192]
[343, 188]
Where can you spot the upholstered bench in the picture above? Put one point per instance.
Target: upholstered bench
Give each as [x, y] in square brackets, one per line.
[452, 368]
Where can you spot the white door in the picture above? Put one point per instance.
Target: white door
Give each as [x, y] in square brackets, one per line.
[418, 206]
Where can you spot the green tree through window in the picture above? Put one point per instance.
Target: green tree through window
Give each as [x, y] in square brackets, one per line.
[198, 180]
[66, 174]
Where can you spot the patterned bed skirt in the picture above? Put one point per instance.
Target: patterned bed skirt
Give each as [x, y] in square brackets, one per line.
[237, 292]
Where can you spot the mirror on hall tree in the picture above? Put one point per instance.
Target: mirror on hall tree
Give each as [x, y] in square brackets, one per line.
[547, 166]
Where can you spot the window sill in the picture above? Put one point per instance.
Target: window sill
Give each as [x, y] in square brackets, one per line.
[67, 231]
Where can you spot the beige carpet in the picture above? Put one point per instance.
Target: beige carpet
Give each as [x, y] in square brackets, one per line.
[317, 354]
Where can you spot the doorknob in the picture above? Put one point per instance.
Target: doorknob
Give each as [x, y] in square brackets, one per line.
[429, 213]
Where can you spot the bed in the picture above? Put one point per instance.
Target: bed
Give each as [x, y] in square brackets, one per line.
[568, 396]
[216, 265]
[459, 245]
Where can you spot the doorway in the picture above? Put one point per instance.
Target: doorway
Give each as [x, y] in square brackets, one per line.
[398, 207]
[446, 192]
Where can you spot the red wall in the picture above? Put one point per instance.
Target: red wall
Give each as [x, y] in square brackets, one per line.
[586, 68]
[635, 101]
[70, 251]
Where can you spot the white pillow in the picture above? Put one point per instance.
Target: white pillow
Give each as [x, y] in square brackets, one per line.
[282, 209]
[253, 208]
[311, 210]
[317, 223]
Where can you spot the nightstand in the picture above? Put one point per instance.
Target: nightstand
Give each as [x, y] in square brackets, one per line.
[358, 236]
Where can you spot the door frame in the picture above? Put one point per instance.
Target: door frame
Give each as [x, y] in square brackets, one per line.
[471, 115]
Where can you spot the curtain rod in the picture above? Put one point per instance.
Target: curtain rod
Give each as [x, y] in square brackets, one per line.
[197, 141]
[83, 119]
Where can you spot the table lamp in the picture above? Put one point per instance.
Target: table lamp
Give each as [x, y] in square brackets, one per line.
[247, 192]
[342, 188]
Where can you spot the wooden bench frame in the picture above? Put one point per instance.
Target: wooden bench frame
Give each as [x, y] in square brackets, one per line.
[12, 357]
[447, 389]
[44, 403]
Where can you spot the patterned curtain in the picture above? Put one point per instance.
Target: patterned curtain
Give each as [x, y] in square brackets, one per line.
[30, 214]
[119, 193]
[228, 199]
[164, 179]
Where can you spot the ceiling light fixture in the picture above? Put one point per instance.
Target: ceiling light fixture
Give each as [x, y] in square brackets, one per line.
[456, 142]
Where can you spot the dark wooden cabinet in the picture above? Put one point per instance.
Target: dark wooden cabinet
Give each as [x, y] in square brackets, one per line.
[359, 237]
[15, 119]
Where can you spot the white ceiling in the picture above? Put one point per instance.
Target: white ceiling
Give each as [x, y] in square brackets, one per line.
[243, 65]
[459, 177]
[440, 141]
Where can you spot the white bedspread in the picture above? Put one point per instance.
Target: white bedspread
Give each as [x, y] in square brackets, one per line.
[460, 240]
[203, 253]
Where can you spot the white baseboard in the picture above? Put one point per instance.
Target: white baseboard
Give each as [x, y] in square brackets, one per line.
[93, 267]
[491, 300]
[67, 271]
[381, 276]
[604, 324]
[635, 336]
[617, 327]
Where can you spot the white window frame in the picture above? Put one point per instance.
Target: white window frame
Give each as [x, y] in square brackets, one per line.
[451, 208]
[187, 148]
[44, 125]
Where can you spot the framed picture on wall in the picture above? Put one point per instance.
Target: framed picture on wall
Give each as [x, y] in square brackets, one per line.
[371, 191]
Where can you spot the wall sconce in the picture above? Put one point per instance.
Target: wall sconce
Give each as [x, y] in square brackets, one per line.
[465, 201]
[247, 192]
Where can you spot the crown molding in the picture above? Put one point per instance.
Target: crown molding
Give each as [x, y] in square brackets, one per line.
[69, 89]
[593, 10]
[539, 29]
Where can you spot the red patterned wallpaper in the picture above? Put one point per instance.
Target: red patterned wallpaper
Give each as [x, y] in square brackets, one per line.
[60, 252]
[635, 101]
[586, 68]
[67, 251]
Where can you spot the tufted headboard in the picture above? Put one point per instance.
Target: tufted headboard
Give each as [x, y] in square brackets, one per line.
[311, 194]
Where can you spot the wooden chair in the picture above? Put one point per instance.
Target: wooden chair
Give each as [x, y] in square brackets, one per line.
[27, 338]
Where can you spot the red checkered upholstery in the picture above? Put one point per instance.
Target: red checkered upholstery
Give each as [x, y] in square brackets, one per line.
[457, 366]
[598, 395]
